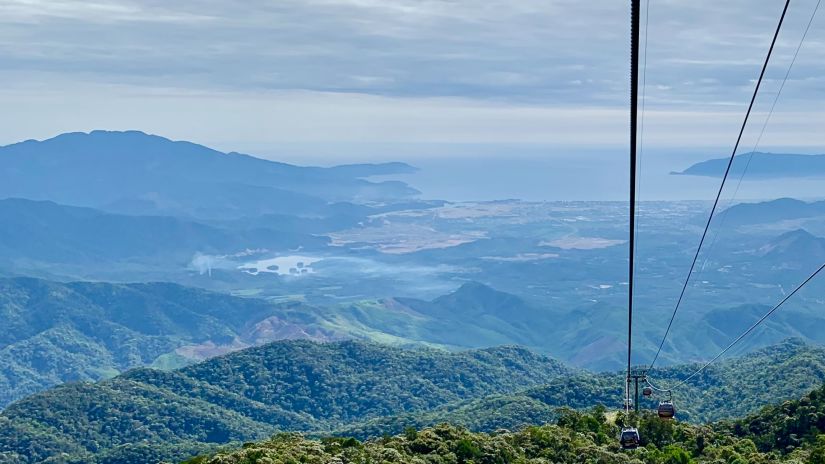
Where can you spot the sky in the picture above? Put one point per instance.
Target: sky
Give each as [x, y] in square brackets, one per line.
[328, 81]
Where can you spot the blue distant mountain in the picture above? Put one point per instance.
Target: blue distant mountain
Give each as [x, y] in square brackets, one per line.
[772, 211]
[44, 232]
[762, 165]
[137, 173]
[795, 249]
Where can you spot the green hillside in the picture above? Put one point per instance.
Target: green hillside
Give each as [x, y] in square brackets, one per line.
[791, 433]
[364, 391]
[729, 389]
[63, 332]
[296, 385]
[786, 427]
[476, 315]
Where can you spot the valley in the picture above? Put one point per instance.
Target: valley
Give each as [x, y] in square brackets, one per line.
[166, 322]
[412, 232]
[390, 267]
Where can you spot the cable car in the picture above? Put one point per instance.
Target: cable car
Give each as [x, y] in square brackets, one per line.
[666, 410]
[647, 392]
[629, 438]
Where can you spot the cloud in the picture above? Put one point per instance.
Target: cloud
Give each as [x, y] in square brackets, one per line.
[432, 70]
[39, 11]
[267, 122]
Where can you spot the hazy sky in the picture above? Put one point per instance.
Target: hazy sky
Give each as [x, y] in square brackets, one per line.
[350, 79]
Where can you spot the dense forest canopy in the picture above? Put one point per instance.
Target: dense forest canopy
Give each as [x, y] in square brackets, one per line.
[366, 391]
[787, 433]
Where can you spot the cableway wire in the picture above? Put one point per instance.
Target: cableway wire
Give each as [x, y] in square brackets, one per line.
[636, 168]
[634, 98]
[750, 329]
[724, 178]
[659, 389]
[642, 110]
[724, 215]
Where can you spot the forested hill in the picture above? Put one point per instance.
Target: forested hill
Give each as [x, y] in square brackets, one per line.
[289, 385]
[54, 332]
[362, 390]
[729, 389]
[790, 433]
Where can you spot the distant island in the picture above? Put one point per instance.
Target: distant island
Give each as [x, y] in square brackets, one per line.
[762, 166]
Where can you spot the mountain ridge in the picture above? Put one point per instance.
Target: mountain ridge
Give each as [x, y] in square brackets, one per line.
[135, 172]
[781, 209]
[799, 242]
[362, 169]
[57, 332]
[791, 432]
[362, 389]
[287, 385]
[39, 235]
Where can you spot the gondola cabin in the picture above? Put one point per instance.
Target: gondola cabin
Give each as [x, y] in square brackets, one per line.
[647, 392]
[666, 410]
[629, 438]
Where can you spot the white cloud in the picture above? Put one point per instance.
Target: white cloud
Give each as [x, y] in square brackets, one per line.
[434, 71]
[267, 122]
[36, 11]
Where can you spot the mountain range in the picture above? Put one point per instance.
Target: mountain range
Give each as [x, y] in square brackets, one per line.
[104, 359]
[798, 248]
[733, 388]
[771, 212]
[136, 173]
[296, 385]
[129, 206]
[360, 389]
[42, 235]
[66, 332]
[787, 432]
[61, 332]
[74, 331]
